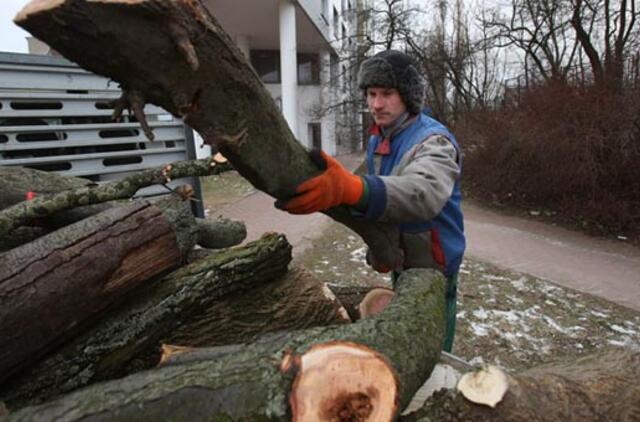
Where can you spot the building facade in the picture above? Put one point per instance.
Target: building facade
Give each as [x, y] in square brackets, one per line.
[301, 49]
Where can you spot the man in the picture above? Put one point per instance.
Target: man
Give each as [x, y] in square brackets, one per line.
[414, 166]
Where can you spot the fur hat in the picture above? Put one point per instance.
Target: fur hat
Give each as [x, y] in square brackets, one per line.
[394, 69]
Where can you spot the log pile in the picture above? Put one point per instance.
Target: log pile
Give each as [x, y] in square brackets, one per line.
[96, 299]
[112, 314]
[119, 292]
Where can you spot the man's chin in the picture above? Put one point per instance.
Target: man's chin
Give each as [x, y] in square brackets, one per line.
[382, 121]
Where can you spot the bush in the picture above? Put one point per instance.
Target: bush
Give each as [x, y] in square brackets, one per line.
[568, 149]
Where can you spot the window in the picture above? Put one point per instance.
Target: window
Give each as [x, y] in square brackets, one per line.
[308, 69]
[345, 79]
[333, 68]
[344, 36]
[336, 23]
[267, 65]
[315, 135]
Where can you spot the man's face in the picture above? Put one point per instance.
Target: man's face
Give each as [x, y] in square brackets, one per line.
[385, 104]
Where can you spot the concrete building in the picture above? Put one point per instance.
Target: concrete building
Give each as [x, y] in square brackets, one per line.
[300, 49]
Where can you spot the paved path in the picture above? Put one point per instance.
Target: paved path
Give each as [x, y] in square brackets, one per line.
[606, 268]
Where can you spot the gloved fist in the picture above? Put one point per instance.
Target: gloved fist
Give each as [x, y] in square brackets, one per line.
[335, 186]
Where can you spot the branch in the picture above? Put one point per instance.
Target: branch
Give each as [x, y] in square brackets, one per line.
[45, 205]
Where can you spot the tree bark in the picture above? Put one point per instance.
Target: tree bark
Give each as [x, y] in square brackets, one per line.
[191, 68]
[43, 206]
[254, 381]
[220, 233]
[18, 181]
[128, 339]
[599, 387]
[298, 300]
[20, 236]
[52, 287]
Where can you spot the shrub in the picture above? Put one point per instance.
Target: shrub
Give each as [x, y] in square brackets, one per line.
[568, 149]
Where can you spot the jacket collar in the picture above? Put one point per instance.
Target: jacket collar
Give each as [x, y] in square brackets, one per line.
[384, 146]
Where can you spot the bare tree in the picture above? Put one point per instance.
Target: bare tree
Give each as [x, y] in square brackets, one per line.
[619, 34]
[541, 30]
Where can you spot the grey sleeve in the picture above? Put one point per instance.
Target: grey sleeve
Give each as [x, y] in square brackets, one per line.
[424, 181]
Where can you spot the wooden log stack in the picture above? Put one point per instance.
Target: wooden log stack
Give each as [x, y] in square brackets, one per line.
[96, 299]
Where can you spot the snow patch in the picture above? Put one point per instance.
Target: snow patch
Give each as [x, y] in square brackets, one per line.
[622, 330]
[481, 313]
[477, 361]
[480, 330]
[492, 277]
[358, 255]
[520, 284]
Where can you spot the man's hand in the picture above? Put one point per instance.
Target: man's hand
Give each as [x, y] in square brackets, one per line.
[335, 186]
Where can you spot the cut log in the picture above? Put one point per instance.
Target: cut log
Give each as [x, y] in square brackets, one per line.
[220, 232]
[43, 206]
[322, 392]
[350, 296]
[192, 68]
[20, 184]
[18, 181]
[375, 302]
[128, 338]
[298, 300]
[52, 287]
[255, 381]
[599, 387]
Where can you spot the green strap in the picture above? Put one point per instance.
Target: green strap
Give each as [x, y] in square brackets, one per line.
[450, 313]
[363, 203]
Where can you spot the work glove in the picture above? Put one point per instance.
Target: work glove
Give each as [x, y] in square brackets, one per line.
[335, 186]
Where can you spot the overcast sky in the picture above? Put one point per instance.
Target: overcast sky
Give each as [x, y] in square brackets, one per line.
[12, 38]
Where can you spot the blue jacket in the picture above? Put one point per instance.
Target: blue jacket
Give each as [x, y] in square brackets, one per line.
[416, 183]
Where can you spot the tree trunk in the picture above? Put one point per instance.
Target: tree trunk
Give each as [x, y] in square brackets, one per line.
[18, 181]
[53, 286]
[128, 339]
[256, 381]
[190, 67]
[22, 183]
[298, 300]
[20, 236]
[599, 387]
[44, 206]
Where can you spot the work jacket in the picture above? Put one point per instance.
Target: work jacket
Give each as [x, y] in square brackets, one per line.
[414, 181]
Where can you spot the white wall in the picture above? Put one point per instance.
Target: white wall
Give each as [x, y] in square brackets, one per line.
[308, 97]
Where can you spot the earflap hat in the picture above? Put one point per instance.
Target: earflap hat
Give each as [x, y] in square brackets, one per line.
[394, 69]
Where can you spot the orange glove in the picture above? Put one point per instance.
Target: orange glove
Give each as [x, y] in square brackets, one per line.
[335, 186]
